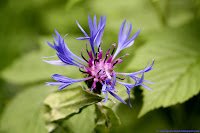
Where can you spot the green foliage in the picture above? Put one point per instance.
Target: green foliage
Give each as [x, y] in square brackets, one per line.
[24, 113]
[69, 101]
[165, 37]
[177, 65]
[106, 116]
[17, 34]
[78, 122]
[83, 122]
[7, 92]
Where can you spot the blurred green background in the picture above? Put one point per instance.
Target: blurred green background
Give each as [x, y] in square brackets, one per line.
[170, 34]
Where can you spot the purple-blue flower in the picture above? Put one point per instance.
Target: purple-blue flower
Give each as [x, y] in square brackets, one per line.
[98, 70]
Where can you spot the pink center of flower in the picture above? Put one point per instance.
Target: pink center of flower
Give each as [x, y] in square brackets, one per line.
[101, 69]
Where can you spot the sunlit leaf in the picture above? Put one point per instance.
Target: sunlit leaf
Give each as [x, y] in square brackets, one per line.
[68, 102]
[176, 71]
[148, 18]
[76, 123]
[128, 10]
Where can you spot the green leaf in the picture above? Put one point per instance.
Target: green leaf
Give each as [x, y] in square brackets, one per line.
[128, 10]
[106, 116]
[24, 113]
[16, 38]
[69, 101]
[176, 69]
[83, 122]
[77, 123]
[106, 111]
[30, 68]
[148, 18]
[7, 92]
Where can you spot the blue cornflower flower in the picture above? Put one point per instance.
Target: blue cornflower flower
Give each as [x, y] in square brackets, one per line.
[99, 70]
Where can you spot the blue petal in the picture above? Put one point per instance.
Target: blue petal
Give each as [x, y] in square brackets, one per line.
[64, 54]
[61, 78]
[121, 32]
[98, 36]
[114, 79]
[95, 23]
[96, 32]
[129, 42]
[55, 38]
[57, 34]
[64, 79]
[81, 29]
[141, 79]
[82, 38]
[138, 72]
[123, 41]
[55, 62]
[136, 78]
[67, 60]
[63, 86]
[50, 56]
[106, 98]
[117, 97]
[90, 23]
[129, 32]
[146, 87]
[100, 22]
[54, 83]
[128, 87]
[128, 91]
[126, 84]
[109, 77]
[104, 88]
[50, 45]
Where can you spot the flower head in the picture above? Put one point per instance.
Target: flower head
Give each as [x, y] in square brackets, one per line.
[99, 72]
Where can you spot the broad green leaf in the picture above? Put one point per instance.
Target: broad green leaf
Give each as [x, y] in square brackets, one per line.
[177, 66]
[77, 123]
[69, 101]
[24, 113]
[30, 68]
[84, 122]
